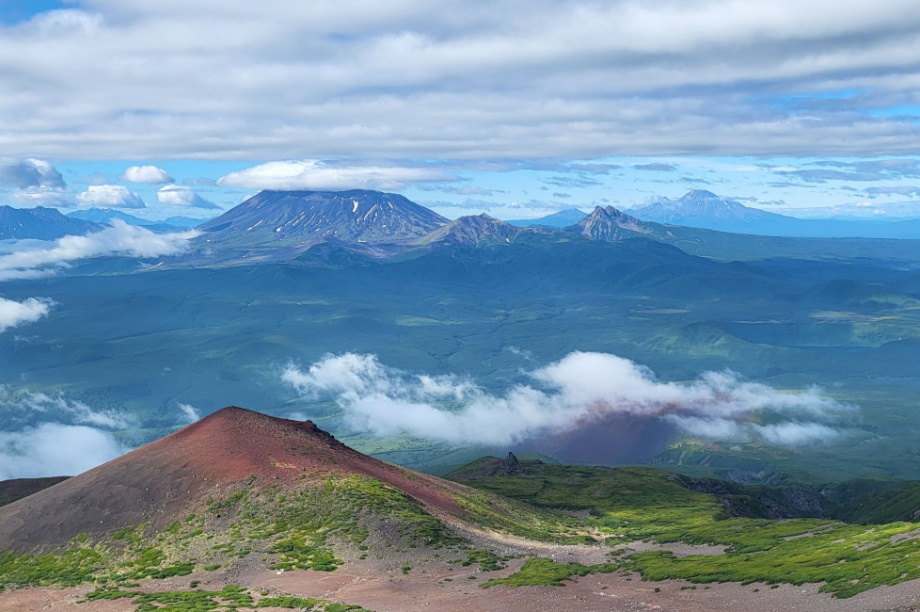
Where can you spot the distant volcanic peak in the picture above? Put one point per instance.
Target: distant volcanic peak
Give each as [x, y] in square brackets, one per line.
[706, 201]
[472, 229]
[307, 217]
[608, 224]
[699, 194]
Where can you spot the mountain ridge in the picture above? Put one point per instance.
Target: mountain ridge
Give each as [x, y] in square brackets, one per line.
[41, 223]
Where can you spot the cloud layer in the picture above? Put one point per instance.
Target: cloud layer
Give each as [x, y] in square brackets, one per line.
[14, 313]
[49, 435]
[36, 259]
[310, 174]
[184, 197]
[462, 80]
[566, 395]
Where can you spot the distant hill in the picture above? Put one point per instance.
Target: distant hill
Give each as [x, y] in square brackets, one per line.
[563, 218]
[706, 210]
[304, 218]
[106, 215]
[17, 488]
[41, 223]
[472, 230]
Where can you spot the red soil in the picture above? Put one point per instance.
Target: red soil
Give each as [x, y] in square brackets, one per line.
[161, 480]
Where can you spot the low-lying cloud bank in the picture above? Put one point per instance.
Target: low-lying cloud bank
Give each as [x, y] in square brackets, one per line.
[50, 435]
[35, 259]
[13, 313]
[567, 395]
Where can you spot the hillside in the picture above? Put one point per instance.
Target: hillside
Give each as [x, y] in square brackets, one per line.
[161, 481]
[259, 507]
[471, 230]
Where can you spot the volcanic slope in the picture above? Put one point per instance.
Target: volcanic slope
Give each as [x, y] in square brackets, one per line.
[162, 482]
[304, 218]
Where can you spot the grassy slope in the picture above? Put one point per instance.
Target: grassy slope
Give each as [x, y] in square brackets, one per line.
[633, 504]
[306, 526]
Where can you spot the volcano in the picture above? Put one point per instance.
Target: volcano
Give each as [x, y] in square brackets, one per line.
[304, 218]
[609, 224]
[161, 481]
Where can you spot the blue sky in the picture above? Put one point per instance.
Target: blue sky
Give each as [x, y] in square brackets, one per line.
[515, 108]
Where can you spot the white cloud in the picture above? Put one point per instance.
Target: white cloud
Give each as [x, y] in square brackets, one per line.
[461, 80]
[317, 175]
[570, 393]
[26, 407]
[53, 449]
[110, 196]
[177, 195]
[189, 413]
[51, 435]
[146, 174]
[29, 174]
[41, 196]
[13, 314]
[36, 259]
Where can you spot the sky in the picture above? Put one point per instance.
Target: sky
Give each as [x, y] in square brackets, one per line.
[184, 108]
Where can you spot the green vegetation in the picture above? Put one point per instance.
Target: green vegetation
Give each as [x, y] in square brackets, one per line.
[546, 572]
[296, 530]
[487, 560]
[228, 599]
[72, 567]
[644, 504]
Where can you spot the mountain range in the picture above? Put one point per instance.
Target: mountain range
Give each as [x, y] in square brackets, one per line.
[283, 226]
[105, 215]
[41, 223]
[704, 209]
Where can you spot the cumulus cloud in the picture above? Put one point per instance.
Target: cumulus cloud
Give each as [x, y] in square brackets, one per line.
[41, 196]
[110, 196]
[146, 174]
[566, 395]
[177, 195]
[50, 435]
[318, 175]
[29, 173]
[35, 259]
[189, 413]
[13, 314]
